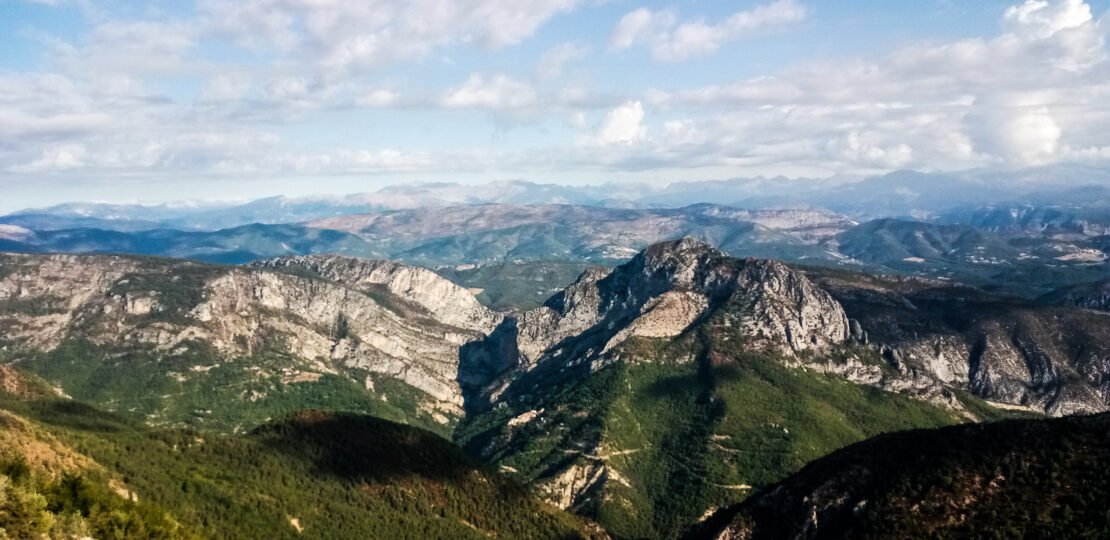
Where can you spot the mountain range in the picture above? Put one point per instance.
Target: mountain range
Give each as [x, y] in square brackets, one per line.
[1027, 251]
[907, 355]
[643, 397]
[906, 194]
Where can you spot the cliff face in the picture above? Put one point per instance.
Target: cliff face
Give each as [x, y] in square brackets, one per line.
[410, 324]
[672, 285]
[163, 306]
[1046, 358]
[447, 302]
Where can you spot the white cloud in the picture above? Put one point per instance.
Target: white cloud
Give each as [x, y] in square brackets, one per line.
[1037, 93]
[489, 92]
[622, 124]
[378, 97]
[1042, 19]
[225, 87]
[360, 36]
[671, 41]
[60, 157]
[555, 60]
[639, 25]
[866, 148]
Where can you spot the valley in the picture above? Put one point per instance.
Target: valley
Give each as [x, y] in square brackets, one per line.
[641, 397]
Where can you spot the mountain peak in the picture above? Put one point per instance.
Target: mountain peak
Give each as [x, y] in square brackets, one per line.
[684, 246]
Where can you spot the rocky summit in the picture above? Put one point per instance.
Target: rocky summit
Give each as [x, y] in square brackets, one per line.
[661, 293]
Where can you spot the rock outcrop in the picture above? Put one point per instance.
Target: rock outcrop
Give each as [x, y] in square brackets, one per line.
[670, 286]
[1055, 359]
[447, 302]
[411, 335]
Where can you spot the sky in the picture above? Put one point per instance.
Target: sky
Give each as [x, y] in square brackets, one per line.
[233, 99]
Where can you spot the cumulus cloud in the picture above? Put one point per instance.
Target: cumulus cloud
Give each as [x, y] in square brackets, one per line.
[1035, 93]
[56, 158]
[670, 40]
[623, 124]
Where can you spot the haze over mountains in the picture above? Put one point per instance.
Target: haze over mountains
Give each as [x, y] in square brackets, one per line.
[1017, 235]
[896, 194]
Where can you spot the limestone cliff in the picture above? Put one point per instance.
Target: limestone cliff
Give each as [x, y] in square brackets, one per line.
[163, 305]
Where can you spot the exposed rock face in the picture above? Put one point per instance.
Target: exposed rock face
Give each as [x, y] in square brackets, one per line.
[661, 293]
[1049, 358]
[667, 290]
[43, 295]
[447, 302]
[410, 335]
[669, 287]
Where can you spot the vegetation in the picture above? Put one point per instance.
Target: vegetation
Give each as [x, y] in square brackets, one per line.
[1012, 479]
[515, 285]
[193, 386]
[319, 474]
[176, 295]
[685, 436]
[74, 506]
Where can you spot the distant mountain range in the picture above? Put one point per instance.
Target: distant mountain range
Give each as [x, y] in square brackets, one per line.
[1028, 252]
[897, 194]
[229, 246]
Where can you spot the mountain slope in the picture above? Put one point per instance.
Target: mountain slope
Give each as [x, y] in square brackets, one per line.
[498, 233]
[1046, 358]
[229, 347]
[1085, 295]
[1016, 479]
[674, 384]
[906, 244]
[229, 246]
[642, 396]
[311, 474]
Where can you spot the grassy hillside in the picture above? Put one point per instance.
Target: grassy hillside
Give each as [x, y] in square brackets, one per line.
[314, 474]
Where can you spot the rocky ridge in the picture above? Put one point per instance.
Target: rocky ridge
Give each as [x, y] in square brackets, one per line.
[1052, 359]
[661, 293]
[445, 301]
[166, 306]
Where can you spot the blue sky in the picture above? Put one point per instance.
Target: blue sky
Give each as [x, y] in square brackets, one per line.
[223, 99]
